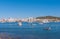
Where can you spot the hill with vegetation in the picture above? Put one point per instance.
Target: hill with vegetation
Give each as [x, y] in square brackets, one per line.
[48, 17]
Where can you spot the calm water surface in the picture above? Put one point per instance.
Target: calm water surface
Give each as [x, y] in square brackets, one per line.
[29, 30]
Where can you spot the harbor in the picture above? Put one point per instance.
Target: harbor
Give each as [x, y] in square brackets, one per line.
[29, 19]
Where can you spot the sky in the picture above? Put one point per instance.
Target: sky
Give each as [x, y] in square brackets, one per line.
[29, 8]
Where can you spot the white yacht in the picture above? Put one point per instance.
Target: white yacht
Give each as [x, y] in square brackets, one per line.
[45, 21]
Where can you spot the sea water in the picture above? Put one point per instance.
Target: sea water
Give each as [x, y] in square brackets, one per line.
[27, 30]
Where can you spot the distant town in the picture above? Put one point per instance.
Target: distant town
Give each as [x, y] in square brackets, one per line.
[32, 19]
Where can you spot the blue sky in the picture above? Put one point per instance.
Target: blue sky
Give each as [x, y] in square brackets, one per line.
[29, 8]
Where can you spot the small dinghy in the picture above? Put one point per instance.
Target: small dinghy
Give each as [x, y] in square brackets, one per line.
[20, 24]
[41, 23]
[47, 28]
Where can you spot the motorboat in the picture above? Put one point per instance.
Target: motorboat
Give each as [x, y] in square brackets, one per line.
[20, 24]
[47, 28]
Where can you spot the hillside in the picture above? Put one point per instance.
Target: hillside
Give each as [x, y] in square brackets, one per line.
[48, 17]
